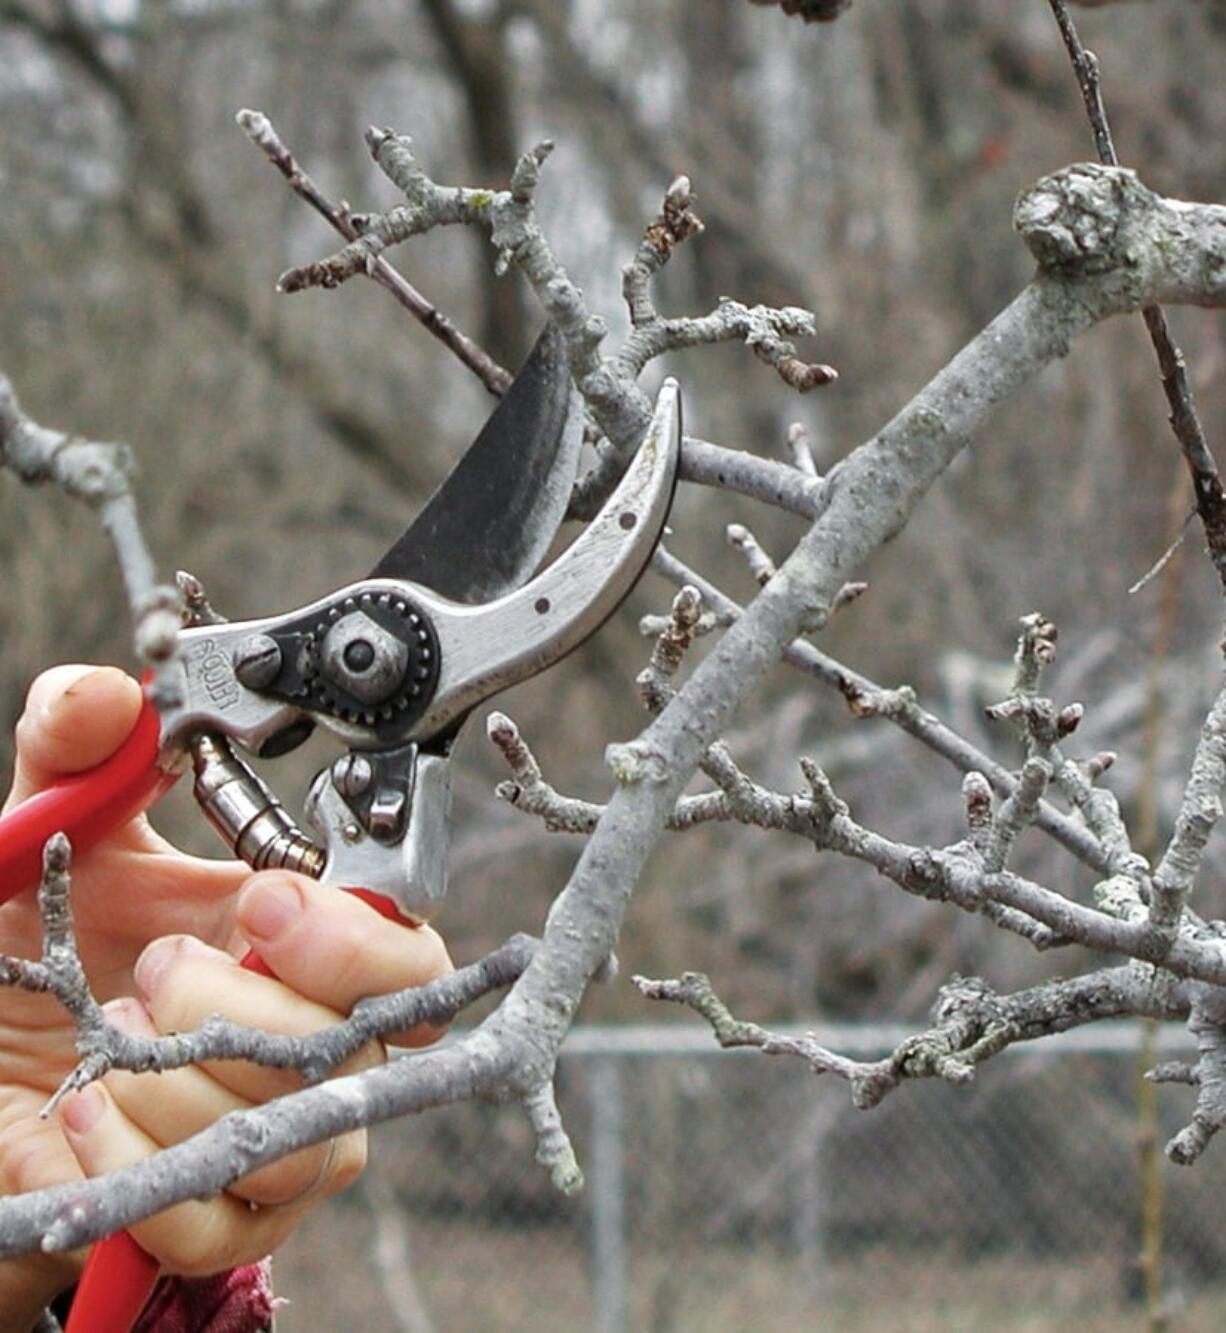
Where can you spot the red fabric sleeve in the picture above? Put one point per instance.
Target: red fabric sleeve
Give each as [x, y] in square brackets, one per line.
[240, 1301]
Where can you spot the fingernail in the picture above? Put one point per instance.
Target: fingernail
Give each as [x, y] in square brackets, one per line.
[46, 690]
[89, 678]
[158, 957]
[130, 1016]
[268, 910]
[82, 1111]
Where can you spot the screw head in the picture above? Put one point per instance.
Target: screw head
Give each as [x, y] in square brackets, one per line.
[352, 775]
[257, 661]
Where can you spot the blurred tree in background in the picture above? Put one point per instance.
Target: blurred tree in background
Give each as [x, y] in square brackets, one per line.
[865, 169]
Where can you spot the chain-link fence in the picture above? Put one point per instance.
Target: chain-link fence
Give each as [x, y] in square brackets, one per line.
[734, 1191]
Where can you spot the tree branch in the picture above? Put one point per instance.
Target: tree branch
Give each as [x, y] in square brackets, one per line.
[1185, 421]
[70, 1215]
[259, 129]
[971, 1024]
[1105, 245]
[100, 476]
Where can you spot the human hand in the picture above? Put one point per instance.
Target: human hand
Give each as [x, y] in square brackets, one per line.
[158, 933]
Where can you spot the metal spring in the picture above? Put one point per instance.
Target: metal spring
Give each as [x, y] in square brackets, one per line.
[249, 818]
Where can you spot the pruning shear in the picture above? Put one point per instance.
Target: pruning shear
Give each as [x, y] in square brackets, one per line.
[391, 665]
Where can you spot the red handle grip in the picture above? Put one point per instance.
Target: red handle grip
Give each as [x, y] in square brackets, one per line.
[119, 1276]
[86, 806]
[118, 1279]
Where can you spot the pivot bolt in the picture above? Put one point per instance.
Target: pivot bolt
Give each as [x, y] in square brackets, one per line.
[363, 659]
[359, 655]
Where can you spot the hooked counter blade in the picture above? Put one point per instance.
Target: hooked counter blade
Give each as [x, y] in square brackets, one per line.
[488, 526]
[486, 649]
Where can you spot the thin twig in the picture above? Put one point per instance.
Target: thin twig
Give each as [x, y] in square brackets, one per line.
[259, 129]
[1185, 421]
[861, 692]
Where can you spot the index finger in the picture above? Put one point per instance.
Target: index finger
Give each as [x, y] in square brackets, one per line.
[332, 948]
[75, 717]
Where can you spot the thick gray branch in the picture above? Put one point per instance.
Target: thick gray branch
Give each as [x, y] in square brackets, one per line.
[1098, 222]
[1199, 812]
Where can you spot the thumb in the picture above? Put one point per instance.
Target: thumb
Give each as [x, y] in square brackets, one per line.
[75, 717]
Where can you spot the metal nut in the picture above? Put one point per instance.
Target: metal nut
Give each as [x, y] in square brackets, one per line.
[361, 657]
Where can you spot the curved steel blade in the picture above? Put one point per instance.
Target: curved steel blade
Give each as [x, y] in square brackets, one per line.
[482, 649]
[489, 525]
[489, 648]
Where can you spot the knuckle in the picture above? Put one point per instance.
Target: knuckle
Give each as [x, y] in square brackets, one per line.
[25, 733]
